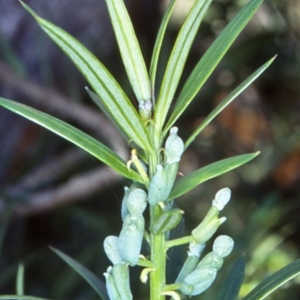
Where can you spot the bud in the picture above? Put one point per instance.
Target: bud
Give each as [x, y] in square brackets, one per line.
[198, 281]
[157, 188]
[171, 171]
[110, 285]
[120, 274]
[174, 146]
[195, 251]
[124, 209]
[130, 239]
[162, 183]
[211, 260]
[223, 245]
[111, 249]
[205, 231]
[145, 110]
[136, 202]
[206, 271]
[138, 222]
[222, 198]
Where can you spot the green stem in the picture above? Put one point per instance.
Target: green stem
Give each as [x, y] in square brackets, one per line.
[158, 257]
[157, 245]
[172, 287]
[178, 242]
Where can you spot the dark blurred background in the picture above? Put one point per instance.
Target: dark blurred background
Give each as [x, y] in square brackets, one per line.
[54, 194]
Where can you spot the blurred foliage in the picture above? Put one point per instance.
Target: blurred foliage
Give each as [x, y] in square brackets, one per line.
[263, 213]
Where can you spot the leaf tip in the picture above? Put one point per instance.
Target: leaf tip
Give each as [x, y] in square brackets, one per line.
[32, 12]
[274, 57]
[53, 249]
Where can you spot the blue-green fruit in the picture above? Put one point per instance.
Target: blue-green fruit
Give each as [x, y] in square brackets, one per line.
[223, 245]
[130, 239]
[136, 202]
[198, 281]
[124, 209]
[127, 191]
[205, 230]
[110, 285]
[222, 197]
[157, 188]
[120, 274]
[162, 183]
[190, 264]
[111, 249]
[211, 260]
[171, 170]
[174, 146]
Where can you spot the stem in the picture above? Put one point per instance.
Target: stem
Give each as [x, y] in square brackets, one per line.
[178, 242]
[172, 287]
[158, 257]
[157, 245]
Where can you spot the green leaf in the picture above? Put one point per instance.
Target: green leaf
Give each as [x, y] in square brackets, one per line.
[231, 285]
[177, 61]
[166, 221]
[105, 86]
[211, 58]
[101, 105]
[227, 101]
[193, 179]
[86, 274]
[74, 135]
[15, 297]
[273, 282]
[159, 41]
[129, 49]
[20, 280]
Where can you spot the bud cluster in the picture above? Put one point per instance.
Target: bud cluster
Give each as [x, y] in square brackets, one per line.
[207, 228]
[163, 180]
[125, 250]
[201, 276]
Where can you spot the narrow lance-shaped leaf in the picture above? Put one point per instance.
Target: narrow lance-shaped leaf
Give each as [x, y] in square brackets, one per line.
[231, 285]
[74, 135]
[86, 274]
[177, 61]
[274, 281]
[105, 86]
[20, 280]
[213, 170]
[15, 297]
[210, 60]
[129, 49]
[159, 41]
[227, 101]
[100, 104]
